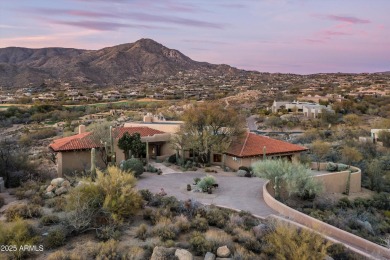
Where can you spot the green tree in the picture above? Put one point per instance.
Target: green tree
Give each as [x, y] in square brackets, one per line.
[320, 150]
[132, 143]
[210, 127]
[376, 173]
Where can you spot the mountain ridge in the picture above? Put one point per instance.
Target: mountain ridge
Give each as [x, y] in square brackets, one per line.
[143, 59]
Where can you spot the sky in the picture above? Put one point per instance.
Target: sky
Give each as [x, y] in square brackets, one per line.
[287, 36]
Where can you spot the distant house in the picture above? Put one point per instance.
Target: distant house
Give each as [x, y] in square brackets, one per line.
[310, 110]
[73, 153]
[375, 134]
[252, 147]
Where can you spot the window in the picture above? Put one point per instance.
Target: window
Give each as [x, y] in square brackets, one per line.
[217, 157]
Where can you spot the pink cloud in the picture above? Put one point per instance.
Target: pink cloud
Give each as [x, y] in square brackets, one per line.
[347, 19]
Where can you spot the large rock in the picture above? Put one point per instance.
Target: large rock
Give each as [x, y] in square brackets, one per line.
[163, 253]
[65, 184]
[209, 256]
[61, 190]
[50, 188]
[57, 182]
[223, 251]
[183, 254]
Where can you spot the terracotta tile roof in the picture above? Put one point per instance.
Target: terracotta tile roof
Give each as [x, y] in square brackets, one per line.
[85, 140]
[75, 142]
[143, 131]
[252, 145]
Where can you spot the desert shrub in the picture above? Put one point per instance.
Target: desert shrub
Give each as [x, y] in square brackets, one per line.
[244, 168]
[133, 165]
[200, 224]
[217, 217]
[339, 251]
[344, 203]
[135, 253]
[260, 231]
[142, 232]
[198, 243]
[218, 238]
[2, 201]
[55, 238]
[48, 220]
[288, 242]
[206, 182]
[381, 201]
[109, 230]
[247, 239]
[23, 211]
[331, 167]
[196, 180]
[160, 214]
[241, 173]
[37, 200]
[342, 167]
[146, 195]
[151, 168]
[108, 250]
[57, 203]
[165, 230]
[172, 159]
[171, 203]
[18, 233]
[241, 253]
[182, 223]
[59, 255]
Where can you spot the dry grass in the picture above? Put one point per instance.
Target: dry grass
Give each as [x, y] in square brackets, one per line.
[219, 238]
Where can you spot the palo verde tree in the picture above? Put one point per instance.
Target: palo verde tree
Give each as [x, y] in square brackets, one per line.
[132, 143]
[210, 127]
[100, 133]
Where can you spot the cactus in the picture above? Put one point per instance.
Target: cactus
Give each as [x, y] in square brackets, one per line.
[348, 184]
[277, 188]
[264, 153]
[93, 163]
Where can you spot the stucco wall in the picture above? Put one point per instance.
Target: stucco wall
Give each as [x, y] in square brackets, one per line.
[324, 228]
[77, 161]
[172, 127]
[336, 182]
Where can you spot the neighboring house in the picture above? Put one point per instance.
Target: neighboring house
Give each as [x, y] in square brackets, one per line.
[310, 110]
[158, 123]
[73, 153]
[251, 148]
[375, 133]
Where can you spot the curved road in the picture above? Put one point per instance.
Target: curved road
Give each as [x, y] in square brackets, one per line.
[233, 192]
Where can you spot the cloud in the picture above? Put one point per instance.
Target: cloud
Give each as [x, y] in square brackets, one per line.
[334, 33]
[104, 26]
[347, 19]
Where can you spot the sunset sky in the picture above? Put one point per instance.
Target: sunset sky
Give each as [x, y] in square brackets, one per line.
[289, 36]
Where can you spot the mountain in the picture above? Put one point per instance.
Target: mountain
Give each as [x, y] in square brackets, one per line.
[143, 59]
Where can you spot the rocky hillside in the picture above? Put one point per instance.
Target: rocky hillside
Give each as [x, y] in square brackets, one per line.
[143, 59]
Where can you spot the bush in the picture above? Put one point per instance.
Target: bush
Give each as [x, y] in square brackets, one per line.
[172, 159]
[165, 230]
[23, 211]
[339, 251]
[217, 217]
[55, 238]
[342, 167]
[200, 224]
[381, 201]
[182, 223]
[147, 195]
[59, 255]
[196, 180]
[133, 165]
[57, 203]
[218, 238]
[241, 173]
[198, 244]
[141, 232]
[151, 168]
[244, 168]
[108, 250]
[18, 233]
[331, 167]
[108, 231]
[48, 220]
[206, 183]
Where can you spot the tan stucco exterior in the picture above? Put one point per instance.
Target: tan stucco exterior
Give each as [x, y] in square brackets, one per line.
[71, 161]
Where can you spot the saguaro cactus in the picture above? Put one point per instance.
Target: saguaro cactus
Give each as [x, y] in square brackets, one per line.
[93, 163]
[264, 153]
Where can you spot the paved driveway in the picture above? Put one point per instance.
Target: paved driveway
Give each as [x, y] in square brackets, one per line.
[234, 192]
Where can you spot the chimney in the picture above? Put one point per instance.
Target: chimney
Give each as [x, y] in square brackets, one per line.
[81, 129]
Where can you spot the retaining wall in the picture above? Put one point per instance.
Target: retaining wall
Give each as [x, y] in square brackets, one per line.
[323, 228]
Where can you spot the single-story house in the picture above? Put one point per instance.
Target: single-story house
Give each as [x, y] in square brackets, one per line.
[73, 153]
[252, 147]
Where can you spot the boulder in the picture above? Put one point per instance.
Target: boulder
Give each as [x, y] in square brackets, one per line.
[50, 188]
[49, 195]
[162, 253]
[57, 182]
[65, 184]
[209, 256]
[183, 254]
[223, 251]
[61, 190]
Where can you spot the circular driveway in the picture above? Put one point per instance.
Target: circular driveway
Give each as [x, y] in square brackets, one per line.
[233, 192]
